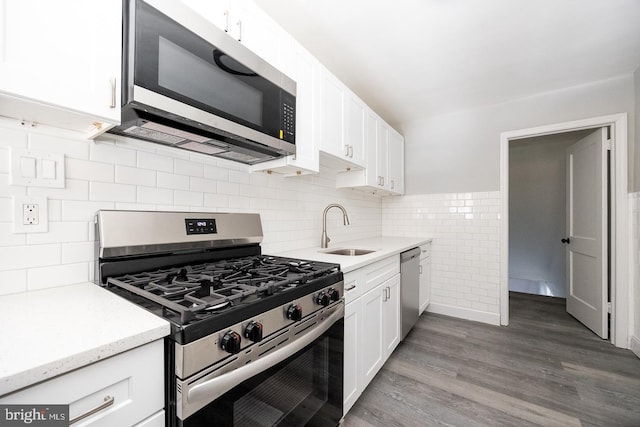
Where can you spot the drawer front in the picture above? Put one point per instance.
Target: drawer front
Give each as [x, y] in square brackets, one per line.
[121, 390]
[156, 420]
[353, 285]
[425, 250]
[378, 272]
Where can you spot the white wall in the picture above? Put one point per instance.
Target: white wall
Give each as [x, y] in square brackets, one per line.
[537, 200]
[460, 152]
[128, 174]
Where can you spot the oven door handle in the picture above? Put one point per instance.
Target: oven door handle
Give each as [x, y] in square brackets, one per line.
[216, 387]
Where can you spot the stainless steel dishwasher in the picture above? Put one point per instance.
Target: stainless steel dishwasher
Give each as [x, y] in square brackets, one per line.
[409, 288]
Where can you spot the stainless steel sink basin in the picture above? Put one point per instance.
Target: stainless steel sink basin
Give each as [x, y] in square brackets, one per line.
[349, 252]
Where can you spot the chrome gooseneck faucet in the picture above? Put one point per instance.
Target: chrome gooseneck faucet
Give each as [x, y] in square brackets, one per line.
[325, 239]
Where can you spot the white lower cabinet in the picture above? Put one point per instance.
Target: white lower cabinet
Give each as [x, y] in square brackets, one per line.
[372, 323]
[424, 292]
[122, 390]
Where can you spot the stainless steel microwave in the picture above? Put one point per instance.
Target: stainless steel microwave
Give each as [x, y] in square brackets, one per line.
[188, 84]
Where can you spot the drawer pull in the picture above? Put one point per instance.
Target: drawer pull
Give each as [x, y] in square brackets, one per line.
[350, 288]
[108, 401]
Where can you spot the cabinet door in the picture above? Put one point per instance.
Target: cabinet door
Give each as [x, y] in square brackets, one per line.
[352, 331]
[425, 283]
[395, 163]
[371, 335]
[215, 11]
[354, 137]
[332, 99]
[254, 29]
[391, 315]
[382, 155]
[63, 54]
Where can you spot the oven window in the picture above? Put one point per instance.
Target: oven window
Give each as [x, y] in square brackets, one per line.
[305, 389]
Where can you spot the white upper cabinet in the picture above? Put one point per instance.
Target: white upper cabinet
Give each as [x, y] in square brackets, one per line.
[395, 163]
[342, 136]
[245, 22]
[60, 63]
[384, 154]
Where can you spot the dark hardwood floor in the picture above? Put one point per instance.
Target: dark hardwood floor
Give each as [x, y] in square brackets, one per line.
[544, 369]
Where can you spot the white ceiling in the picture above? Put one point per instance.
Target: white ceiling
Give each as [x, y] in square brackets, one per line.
[409, 59]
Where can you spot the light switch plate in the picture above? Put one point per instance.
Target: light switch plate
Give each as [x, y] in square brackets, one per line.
[30, 214]
[36, 168]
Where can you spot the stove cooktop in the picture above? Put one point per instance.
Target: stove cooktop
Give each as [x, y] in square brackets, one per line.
[212, 295]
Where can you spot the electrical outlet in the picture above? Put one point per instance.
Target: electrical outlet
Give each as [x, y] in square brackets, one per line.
[30, 214]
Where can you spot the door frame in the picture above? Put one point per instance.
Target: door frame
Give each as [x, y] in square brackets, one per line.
[620, 274]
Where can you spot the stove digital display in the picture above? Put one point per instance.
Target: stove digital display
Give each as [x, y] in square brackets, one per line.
[200, 226]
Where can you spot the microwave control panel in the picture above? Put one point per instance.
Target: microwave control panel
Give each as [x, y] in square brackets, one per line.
[288, 118]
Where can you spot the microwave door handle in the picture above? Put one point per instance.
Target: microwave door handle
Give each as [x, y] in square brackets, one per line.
[216, 387]
[217, 58]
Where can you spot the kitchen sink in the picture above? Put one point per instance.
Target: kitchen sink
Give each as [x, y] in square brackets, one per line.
[348, 252]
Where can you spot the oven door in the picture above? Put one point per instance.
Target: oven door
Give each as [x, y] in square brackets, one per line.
[295, 385]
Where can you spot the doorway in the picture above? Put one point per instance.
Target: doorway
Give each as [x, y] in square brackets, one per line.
[537, 213]
[618, 216]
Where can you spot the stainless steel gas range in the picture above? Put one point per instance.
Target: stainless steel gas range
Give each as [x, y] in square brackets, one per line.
[255, 339]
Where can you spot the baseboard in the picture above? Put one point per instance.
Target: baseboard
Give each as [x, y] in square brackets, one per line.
[634, 345]
[465, 313]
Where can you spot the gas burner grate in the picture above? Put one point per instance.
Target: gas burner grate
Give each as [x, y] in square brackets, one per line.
[202, 289]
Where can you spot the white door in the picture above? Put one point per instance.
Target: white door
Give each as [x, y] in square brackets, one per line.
[587, 273]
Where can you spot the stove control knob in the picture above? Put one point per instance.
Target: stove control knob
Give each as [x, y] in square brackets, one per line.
[333, 294]
[294, 312]
[253, 331]
[231, 342]
[323, 299]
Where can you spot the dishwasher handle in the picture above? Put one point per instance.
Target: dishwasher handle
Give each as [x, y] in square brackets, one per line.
[410, 254]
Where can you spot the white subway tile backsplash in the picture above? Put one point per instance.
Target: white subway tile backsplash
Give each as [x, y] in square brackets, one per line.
[28, 256]
[74, 189]
[60, 231]
[188, 198]
[155, 195]
[13, 281]
[10, 190]
[12, 137]
[173, 181]
[155, 162]
[108, 152]
[216, 200]
[216, 173]
[88, 170]
[6, 209]
[78, 149]
[58, 275]
[465, 248]
[83, 210]
[78, 252]
[135, 176]
[203, 185]
[105, 191]
[5, 160]
[189, 168]
[7, 236]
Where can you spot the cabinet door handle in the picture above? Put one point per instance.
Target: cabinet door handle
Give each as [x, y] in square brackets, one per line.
[113, 92]
[393, 184]
[351, 151]
[239, 31]
[420, 269]
[382, 180]
[108, 401]
[226, 21]
[346, 150]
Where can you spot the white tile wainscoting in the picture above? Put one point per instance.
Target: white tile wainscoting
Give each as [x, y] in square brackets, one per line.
[465, 265]
[130, 174]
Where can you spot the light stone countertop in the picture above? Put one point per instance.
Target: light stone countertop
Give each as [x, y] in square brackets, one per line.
[384, 247]
[49, 332]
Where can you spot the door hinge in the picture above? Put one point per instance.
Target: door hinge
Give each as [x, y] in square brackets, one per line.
[609, 307]
[609, 145]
